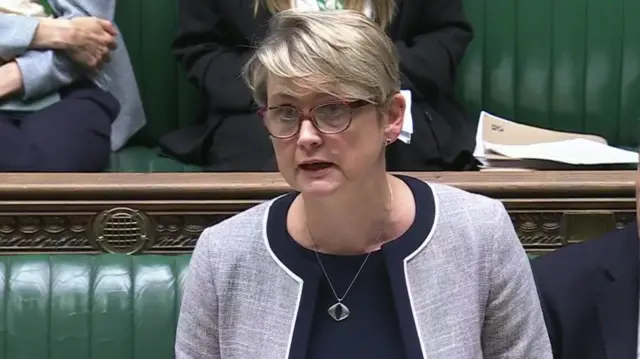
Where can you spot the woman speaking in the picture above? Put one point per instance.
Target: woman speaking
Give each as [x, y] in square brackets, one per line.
[354, 263]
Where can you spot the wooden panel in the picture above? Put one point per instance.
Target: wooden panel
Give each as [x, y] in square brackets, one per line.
[165, 213]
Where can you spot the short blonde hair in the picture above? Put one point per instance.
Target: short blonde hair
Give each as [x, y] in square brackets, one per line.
[383, 10]
[341, 53]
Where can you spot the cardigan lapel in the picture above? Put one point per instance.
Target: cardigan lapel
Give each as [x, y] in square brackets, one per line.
[403, 306]
[302, 332]
[288, 305]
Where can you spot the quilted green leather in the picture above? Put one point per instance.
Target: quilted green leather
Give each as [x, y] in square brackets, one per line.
[89, 307]
[570, 65]
[563, 64]
[148, 28]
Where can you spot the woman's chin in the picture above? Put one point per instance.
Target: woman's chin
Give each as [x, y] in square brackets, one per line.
[320, 182]
[317, 187]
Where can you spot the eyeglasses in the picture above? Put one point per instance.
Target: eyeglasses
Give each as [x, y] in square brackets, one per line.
[329, 118]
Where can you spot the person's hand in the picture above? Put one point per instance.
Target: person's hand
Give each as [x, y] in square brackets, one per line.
[91, 40]
[10, 80]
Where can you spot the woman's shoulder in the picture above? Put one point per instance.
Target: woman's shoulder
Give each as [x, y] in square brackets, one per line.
[472, 225]
[451, 198]
[240, 233]
[461, 208]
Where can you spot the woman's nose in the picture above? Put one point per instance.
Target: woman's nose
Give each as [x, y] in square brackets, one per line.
[309, 136]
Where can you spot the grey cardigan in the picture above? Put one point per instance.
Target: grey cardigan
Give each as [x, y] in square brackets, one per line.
[470, 286]
[45, 72]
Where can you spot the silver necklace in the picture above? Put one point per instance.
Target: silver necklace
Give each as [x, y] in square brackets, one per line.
[339, 311]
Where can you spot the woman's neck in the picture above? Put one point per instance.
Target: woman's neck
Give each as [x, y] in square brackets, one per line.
[353, 222]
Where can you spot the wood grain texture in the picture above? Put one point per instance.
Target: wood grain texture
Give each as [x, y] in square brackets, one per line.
[166, 212]
[203, 186]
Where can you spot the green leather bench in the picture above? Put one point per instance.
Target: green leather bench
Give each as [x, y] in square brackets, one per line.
[98, 307]
[569, 65]
[80, 306]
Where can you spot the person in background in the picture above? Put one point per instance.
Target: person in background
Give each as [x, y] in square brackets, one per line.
[354, 263]
[589, 294]
[59, 74]
[216, 37]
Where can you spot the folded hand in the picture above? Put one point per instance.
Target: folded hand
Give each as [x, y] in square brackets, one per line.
[91, 40]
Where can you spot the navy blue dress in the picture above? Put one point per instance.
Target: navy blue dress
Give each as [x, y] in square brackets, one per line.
[381, 323]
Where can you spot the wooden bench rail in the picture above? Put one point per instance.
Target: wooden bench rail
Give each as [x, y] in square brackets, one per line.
[260, 186]
[166, 212]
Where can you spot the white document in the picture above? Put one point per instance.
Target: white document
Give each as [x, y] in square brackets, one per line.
[407, 124]
[479, 151]
[31, 8]
[575, 151]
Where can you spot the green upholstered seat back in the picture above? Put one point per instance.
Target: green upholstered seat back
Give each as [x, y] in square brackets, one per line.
[82, 306]
[148, 27]
[564, 64]
[570, 65]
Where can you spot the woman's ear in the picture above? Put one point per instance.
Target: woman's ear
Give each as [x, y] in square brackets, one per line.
[395, 117]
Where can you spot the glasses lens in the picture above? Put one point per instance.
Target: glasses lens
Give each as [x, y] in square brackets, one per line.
[282, 121]
[332, 117]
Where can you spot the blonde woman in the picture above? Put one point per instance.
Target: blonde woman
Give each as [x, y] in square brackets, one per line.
[354, 263]
[216, 37]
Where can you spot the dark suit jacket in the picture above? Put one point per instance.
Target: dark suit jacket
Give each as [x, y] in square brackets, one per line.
[589, 294]
[215, 37]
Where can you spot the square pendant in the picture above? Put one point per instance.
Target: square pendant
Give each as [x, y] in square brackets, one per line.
[338, 312]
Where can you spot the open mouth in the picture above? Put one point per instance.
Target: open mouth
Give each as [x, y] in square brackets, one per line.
[315, 166]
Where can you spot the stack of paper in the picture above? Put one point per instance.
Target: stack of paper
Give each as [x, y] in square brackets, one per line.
[407, 125]
[503, 144]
